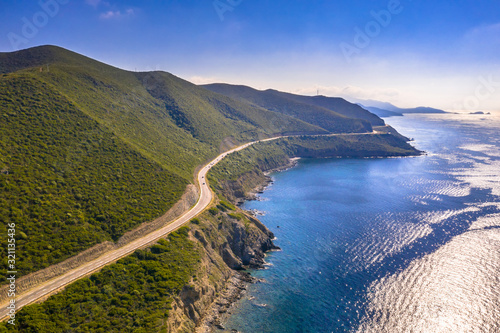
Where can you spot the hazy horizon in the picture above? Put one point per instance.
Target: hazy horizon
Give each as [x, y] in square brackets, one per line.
[408, 53]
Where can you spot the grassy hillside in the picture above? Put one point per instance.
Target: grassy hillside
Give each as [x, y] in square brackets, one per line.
[132, 295]
[89, 151]
[338, 105]
[273, 100]
[67, 182]
[210, 117]
[167, 119]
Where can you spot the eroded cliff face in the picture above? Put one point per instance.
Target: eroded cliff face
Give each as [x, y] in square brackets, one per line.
[231, 241]
[242, 188]
[249, 183]
[196, 298]
[247, 245]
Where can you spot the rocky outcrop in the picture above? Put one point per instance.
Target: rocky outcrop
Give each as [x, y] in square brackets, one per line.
[243, 188]
[232, 241]
[235, 289]
[249, 247]
[250, 183]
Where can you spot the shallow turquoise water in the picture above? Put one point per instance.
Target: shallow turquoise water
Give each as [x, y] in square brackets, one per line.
[385, 245]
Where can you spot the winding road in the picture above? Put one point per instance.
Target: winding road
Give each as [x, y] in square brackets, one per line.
[56, 284]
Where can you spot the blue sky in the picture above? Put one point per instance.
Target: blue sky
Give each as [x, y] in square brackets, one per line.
[437, 53]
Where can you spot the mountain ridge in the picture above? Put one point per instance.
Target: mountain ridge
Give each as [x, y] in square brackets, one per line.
[101, 115]
[302, 107]
[388, 108]
[166, 125]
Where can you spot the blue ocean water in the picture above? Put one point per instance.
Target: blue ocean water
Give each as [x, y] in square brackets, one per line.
[385, 245]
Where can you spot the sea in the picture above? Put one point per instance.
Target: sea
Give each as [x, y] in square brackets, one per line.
[386, 244]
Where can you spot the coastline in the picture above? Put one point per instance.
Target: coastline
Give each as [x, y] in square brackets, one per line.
[237, 284]
[260, 188]
[237, 192]
[235, 289]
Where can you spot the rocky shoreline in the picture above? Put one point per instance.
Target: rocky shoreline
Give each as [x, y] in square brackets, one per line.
[235, 289]
[259, 189]
[237, 284]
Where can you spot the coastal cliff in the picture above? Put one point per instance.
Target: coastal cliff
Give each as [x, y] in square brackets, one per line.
[241, 240]
[187, 280]
[231, 241]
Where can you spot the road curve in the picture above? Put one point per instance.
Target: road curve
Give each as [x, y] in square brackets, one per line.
[55, 284]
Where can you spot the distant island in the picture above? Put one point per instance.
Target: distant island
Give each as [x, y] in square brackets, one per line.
[384, 109]
[480, 113]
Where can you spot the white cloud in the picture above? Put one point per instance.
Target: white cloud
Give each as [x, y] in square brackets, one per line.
[484, 36]
[116, 14]
[203, 80]
[110, 14]
[489, 29]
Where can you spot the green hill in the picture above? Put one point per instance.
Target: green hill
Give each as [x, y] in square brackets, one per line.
[334, 114]
[338, 105]
[157, 113]
[67, 182]
[89, 151]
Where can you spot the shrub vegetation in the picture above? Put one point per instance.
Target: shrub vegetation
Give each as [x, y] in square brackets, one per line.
[132, 295]
[66, 182]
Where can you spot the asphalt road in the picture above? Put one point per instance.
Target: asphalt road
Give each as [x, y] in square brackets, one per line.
[54, 285]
